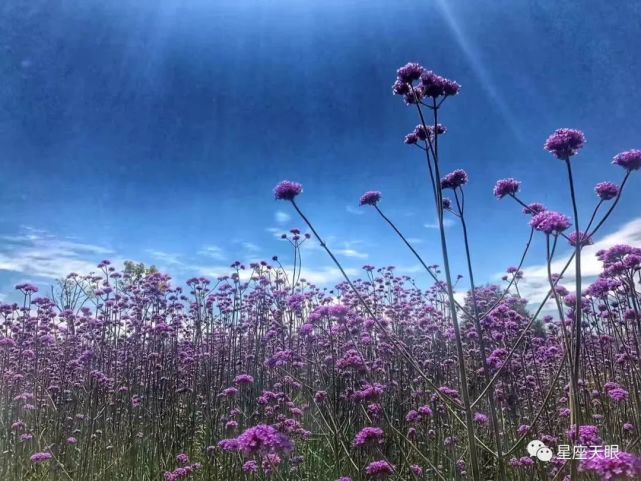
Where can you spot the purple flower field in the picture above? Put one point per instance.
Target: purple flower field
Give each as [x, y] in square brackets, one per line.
[125, 374]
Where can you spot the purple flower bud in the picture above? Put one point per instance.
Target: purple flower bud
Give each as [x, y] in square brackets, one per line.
[586, 240]
[534, 208]
[550, 222]
[370, 198]
[379, 469]
[505, 187]
[287, 190]
[434, 85]
[411, 138]
[182, 458]
[629, 160]
[455, 179]
[564, 143]
[622, 466]
[606, 190]
[481, 419]
[41, 457]
[368, 437]
[409, 72]
[400, 88]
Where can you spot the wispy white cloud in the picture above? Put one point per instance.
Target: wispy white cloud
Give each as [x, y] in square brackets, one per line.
[415, 240]
[39, 254]
[410, 270]
[282, 217]
[213, 252]
[331, 241]
[165, 258]
[352, 253]
[216, 271]
[345, 248]
[447, 222]
[535, 284]
[275, 231]
[251, 247]
[322, 276]
[354, 210]
[459, 296]
[40, 257]
[326, 276]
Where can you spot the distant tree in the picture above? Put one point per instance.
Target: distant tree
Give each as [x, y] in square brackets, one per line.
[137, 271]
[491, 295]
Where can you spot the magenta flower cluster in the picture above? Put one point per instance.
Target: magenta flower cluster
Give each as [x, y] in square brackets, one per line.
[262, 439]
[606, 190]
[564, 143]
[415, 83]
[623, 466]
[505, 187]
[287, 190]
[454, 180]
[629, 160]
[550, 222]
[369, 436]
[370, 198]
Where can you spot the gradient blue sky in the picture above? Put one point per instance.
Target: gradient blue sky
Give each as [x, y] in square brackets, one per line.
[156, 130]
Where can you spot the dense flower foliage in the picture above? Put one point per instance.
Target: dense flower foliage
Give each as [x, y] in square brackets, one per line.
[115, 361]
[623, 466]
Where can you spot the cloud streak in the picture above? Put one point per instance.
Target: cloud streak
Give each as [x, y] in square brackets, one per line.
[352, 253]
[447, 222]
[165, 258]
[535, 283]
[326, 276]
[353, 210]
[39, 254]
[323, 276]
[282, 217]
[213, 252]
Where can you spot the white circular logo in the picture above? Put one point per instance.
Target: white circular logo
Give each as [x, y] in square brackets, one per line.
[539, 450]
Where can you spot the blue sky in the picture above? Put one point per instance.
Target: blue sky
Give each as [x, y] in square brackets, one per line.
[156, 130]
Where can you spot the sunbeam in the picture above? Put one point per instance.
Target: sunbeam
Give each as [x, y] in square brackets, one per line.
[473, 56]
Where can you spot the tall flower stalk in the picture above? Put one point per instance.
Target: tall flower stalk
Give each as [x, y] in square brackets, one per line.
[455, 181]
[563, 144]
[431, 91]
